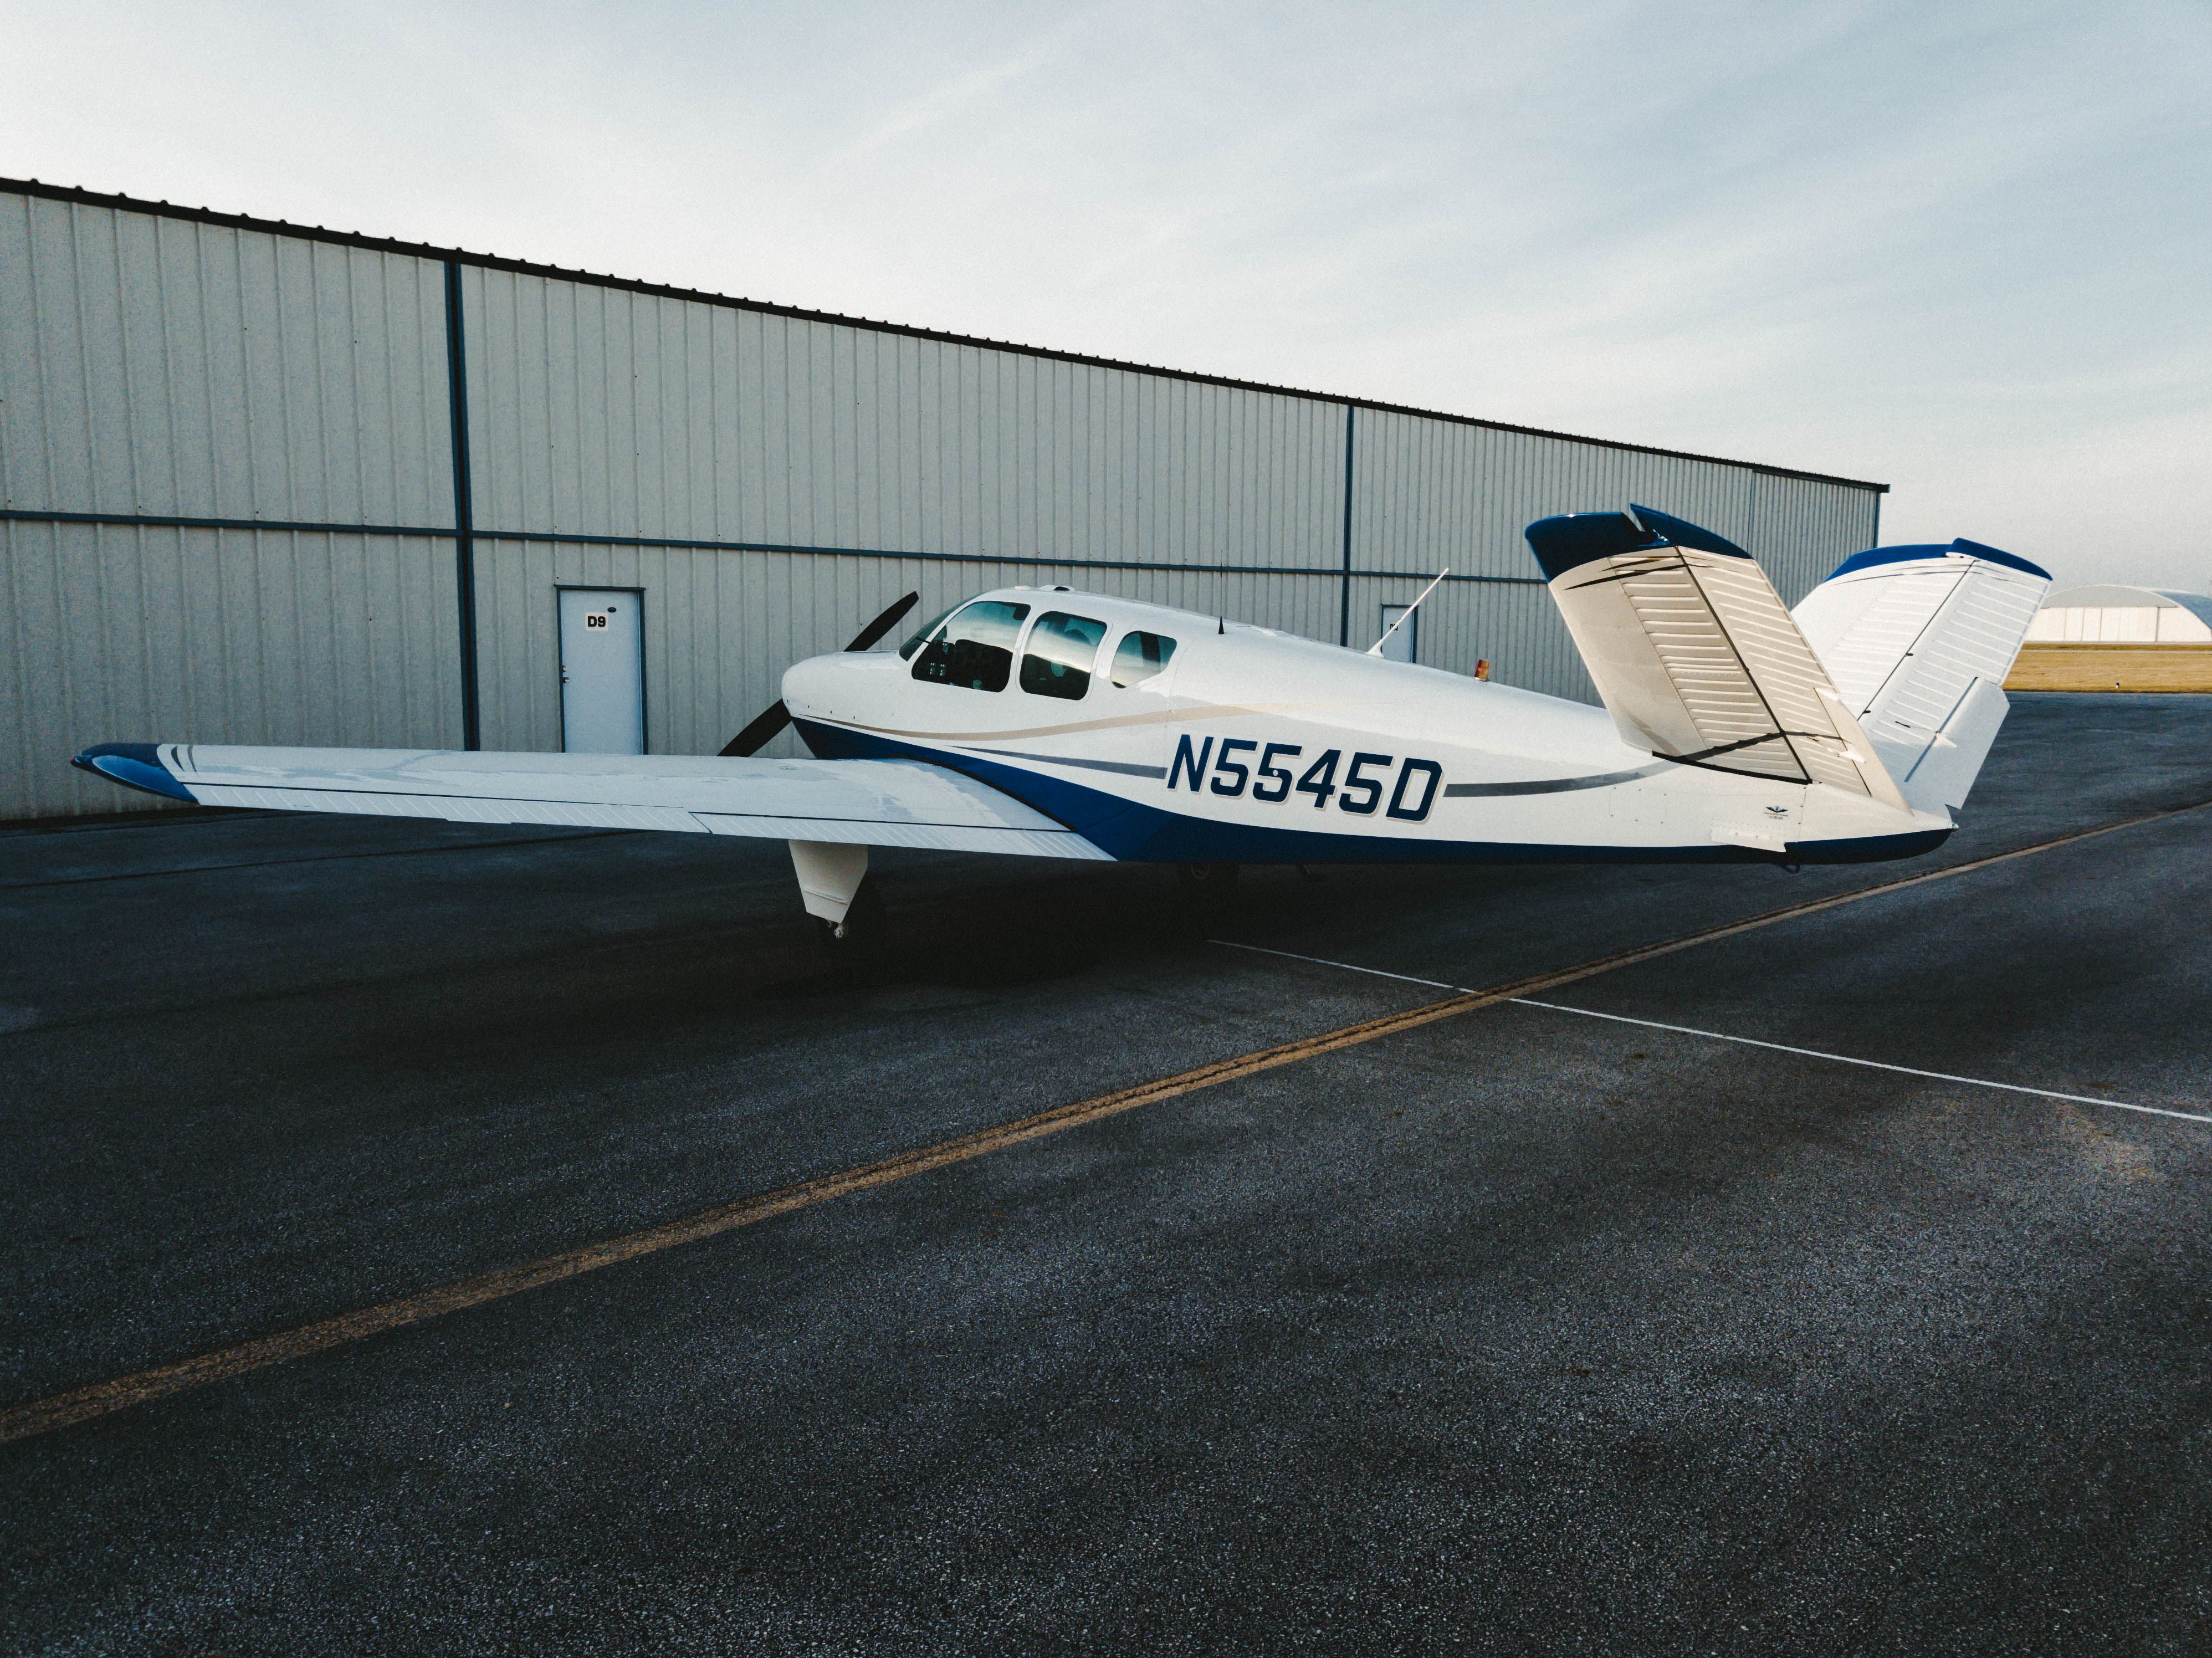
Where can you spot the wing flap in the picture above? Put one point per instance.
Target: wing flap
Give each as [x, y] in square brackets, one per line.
[1056, 843]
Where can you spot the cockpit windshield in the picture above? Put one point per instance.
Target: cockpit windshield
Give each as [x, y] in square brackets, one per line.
[976, 649]
[922, 633]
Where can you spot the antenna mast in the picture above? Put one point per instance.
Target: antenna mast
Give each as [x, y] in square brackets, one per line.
[1376, 649]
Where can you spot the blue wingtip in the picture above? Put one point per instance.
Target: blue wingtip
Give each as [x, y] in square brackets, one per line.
[1681, 532]
[1875, 556]
[1576, 538]
[1974, 549]
[1564, 543]
[134, 765]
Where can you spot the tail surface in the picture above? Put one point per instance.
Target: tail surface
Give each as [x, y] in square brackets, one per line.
[1918, 640]
[1695, 656]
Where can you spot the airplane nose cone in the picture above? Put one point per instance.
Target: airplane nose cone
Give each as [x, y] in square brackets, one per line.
[134, 765]
[824, 685]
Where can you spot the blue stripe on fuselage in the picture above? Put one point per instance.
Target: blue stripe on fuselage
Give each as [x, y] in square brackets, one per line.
[1135, 832]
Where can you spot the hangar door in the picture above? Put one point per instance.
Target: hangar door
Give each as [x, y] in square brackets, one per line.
[602, 671]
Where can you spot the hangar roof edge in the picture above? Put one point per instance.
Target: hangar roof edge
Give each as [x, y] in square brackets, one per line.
[39, 189]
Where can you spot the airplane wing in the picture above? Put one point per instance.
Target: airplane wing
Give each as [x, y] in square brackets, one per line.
[878, 802]
[1695, 656]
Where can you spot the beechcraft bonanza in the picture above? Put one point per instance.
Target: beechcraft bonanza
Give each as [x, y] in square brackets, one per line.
[1052, 723]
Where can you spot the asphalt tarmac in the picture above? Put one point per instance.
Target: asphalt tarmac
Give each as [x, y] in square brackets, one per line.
[1517, 1331]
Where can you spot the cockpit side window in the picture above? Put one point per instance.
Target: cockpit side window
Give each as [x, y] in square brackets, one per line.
[1059, 655]
[922, 633]
[1140, 657]
[976, 647]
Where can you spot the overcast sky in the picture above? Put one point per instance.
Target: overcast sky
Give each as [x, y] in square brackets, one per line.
[1964, 249]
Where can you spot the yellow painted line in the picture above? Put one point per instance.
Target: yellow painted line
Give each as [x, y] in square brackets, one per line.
[82, 1404]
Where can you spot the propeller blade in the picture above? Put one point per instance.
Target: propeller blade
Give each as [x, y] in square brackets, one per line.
[865, 639]
[776, 716]
[749, 740]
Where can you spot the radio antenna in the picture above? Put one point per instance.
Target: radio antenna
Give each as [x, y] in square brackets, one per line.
[1404, 616]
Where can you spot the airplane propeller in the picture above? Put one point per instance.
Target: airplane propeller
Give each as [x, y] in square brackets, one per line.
[776, 717]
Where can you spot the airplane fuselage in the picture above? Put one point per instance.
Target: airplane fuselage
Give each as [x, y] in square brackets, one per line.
[1249, 745]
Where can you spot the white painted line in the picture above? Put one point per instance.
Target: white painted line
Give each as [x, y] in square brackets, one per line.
[1722, 1037]
[1321, 961]
[1871, 1064]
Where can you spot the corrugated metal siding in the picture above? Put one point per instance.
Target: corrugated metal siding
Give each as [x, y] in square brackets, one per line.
[157, 366]
[1516, 627]
[1430, 493]
[1802, 530]
[164, 367]
[598, 412]
[721, 626]
[135, 634]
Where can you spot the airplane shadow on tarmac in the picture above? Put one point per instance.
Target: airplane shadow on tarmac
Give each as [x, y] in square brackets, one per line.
[999, 936]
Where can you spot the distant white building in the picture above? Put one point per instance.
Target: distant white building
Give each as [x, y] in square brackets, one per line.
[2111, 614]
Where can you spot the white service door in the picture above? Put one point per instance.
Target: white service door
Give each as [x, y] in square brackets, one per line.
[1400, 647]
[602, 672]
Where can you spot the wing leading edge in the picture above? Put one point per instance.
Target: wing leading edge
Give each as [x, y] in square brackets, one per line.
[870, 803]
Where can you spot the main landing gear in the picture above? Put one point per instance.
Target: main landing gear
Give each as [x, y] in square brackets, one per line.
[849, 913]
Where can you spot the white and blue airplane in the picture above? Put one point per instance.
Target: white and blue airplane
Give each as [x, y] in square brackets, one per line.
[1048, 722]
